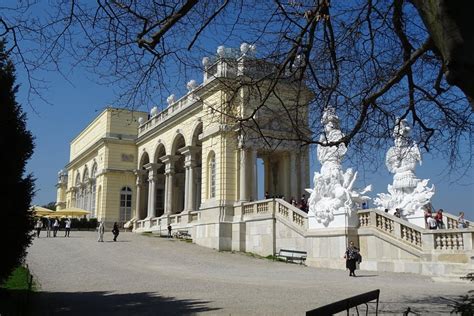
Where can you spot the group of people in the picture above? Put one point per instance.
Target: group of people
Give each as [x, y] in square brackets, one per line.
[435, 220]
[101, 231]
[54, 226]
[302, 204]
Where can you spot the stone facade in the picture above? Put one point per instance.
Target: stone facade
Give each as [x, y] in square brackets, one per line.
[192, 165]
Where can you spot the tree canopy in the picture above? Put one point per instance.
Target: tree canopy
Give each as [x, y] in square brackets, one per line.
[373, 60]
[17, 189]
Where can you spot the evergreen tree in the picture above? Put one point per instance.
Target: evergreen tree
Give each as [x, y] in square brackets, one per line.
[16, 143]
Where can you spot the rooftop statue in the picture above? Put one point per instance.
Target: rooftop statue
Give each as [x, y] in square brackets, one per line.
[407, 192]
[333, 200]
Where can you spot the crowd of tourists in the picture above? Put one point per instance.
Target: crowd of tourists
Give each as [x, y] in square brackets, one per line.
[434, 220]
[52, 226]
[56, 225]
[302, 204]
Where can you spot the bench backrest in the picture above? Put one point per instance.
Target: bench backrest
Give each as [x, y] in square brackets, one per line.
[346, 304]
[288, 252]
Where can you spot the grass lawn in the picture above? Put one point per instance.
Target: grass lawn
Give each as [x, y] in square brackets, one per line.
[15, 296]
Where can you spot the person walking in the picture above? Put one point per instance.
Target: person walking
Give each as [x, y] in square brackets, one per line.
[101, 231]
[67, 227]
[55, 227]
[169, 231]
[115, 231]
[48, 227]
[38, 226]
[352, 256]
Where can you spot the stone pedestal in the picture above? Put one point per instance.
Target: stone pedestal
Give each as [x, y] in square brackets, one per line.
[340, 220]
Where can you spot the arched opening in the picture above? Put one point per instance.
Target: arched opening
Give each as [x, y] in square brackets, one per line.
[93, 190]
[197, 168]
[143, 174]
[160, 181]
[85, 191]
[76, 191]
[177, 184]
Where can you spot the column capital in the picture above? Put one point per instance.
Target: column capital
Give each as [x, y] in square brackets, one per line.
[152, 166]
[189, 150]
[169, 161]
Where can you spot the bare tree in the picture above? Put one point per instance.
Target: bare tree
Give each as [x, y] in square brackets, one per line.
[373, 60]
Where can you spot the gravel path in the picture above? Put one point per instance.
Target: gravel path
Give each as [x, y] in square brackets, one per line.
[142, 275]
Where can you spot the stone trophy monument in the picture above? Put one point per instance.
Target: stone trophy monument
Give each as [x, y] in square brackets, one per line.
[407, 193]
[333, 201]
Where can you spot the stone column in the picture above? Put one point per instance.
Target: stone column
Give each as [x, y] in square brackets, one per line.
[243, 175]
[138, 198]
[169, 161]
[304, 171]
[151, 167]
[189, 165]
[252, 166]
[293, 177]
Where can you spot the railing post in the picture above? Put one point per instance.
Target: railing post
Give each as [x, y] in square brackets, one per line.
[373, 219]
[397, 229]
[427, 242]
[467, 240]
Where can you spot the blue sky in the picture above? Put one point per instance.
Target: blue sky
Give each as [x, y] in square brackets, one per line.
[73, 105]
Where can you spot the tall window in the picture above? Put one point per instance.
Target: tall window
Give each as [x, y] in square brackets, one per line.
[125, 204]
[76, 194]
[93, 189]
[212, 176]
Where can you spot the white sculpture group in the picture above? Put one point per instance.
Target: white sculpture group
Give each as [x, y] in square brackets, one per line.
[407, 193]
[334, 200]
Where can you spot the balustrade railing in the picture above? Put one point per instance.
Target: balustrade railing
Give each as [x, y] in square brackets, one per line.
[411, 235]
[276, 207]
[262, 207]
[448, 241]
[450, 238]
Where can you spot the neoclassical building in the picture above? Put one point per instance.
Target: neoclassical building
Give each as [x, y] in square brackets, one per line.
[99, 176]
[193, 165]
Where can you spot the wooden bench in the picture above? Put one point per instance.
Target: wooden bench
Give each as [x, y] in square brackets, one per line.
[181, 233]
[469, 276]
[291, 255]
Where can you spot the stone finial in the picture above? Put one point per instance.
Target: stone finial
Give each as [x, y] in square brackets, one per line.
[205, 62]
[247, 50]
[244, 48]
[221, 51]
[191, 85]
[154, 111]
[141, 120]
[171, 99]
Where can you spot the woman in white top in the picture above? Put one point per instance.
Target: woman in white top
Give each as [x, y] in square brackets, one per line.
[462, 223]
[68, 227]
[38, 226]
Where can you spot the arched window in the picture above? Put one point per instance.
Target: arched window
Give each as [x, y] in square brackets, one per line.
[93, 189]
[125, 204]
[212, 175]
[75, 192]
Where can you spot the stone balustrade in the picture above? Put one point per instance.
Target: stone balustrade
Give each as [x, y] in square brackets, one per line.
[276, 208]
[178, 106]
[426, 240]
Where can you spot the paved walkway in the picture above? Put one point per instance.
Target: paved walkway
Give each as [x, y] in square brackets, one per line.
[142, 275]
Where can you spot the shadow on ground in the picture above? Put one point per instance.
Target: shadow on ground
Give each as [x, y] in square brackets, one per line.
[109, 303]
[425, 305]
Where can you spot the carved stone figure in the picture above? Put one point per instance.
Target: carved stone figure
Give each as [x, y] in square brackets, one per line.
[407, 192]
[333, 200]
